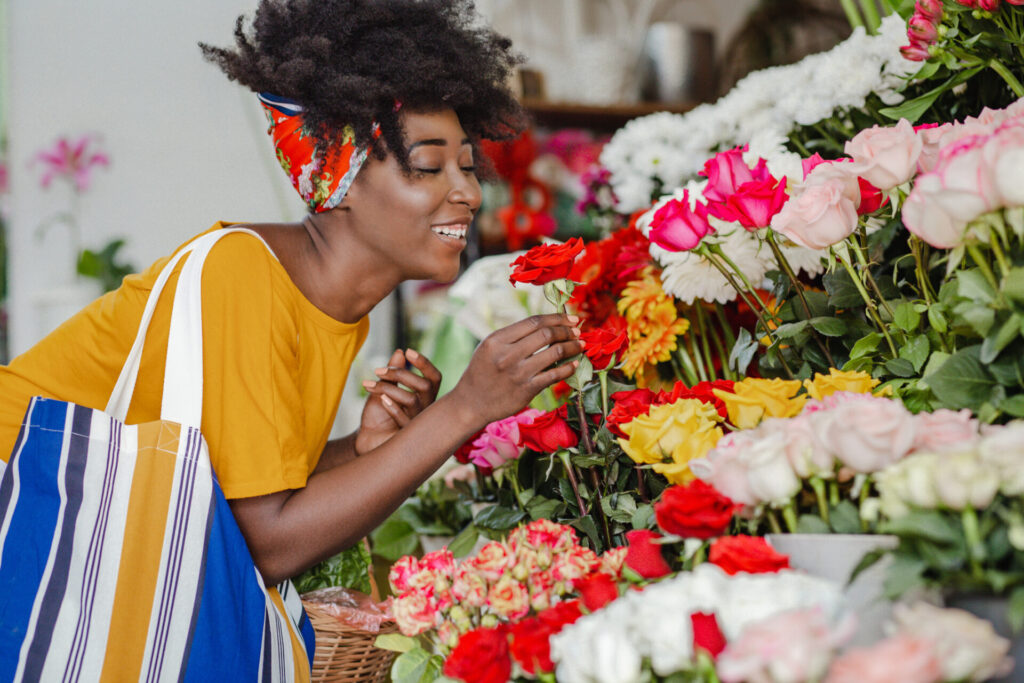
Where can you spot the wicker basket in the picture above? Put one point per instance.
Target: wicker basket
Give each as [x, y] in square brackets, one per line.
[346, 653]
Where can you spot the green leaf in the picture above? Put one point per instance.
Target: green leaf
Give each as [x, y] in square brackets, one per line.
[973, 285]
[927, 524]
[1015, 610]
[498, 518]
[936, 319]
[544, 508]
[643, 518]
[842, 293]
[844, 518]
[1013, 284]
[962, 381]
[742, 353]
[790, 330]
[865, 345]
[395, 642]
[905, 572]
[912, 110]
[906, 317]
[811, 524]
[979, 317]
[1014, 405]
[589, 527]
[583, 374]
[589, 460]
[394, 538]
[414, 666]
[830, 327]
[995, 343]
[916, 351]
[901, 367]
[462, 544]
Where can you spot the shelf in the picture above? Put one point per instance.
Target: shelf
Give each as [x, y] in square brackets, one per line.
[596, 117]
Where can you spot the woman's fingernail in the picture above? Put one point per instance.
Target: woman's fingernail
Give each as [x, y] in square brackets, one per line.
[582, 343]
[576, 331]
[387, 401]
[369, 384]
[412, 354]
[575, 363]
[574, 319]
[380, 372]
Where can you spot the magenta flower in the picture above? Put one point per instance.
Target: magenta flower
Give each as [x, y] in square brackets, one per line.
[676, 227]
[726, 172]
[4, 178]
[753, 204]
[499, 442]
[72, 161]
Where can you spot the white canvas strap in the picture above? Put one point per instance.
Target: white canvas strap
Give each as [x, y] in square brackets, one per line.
[183, 372]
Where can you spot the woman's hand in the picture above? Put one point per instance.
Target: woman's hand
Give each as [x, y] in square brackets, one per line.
[395, 398]
[514, 364]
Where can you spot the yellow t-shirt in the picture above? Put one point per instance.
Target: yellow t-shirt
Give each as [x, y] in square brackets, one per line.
[274, 366]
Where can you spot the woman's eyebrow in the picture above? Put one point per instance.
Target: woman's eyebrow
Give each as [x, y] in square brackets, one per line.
[435, 142]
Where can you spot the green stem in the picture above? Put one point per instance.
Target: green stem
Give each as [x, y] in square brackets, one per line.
[570, 472]
[788, 270]
[717, 250]
[602, 377]
[871, 17]
[716, 339]
[773, 522]
[688, 368]
[705, 344]
[923, 281]
[887, 7]
[799, 146]
[723, 321]
[997, 251]
[819, 491]
[975, 546]
[983, 266]
[833, 492]
[852, 13]
[864, 495]
[869, 304]
[694, 354]
[789, 515]
[1007, 76]
[863, 261]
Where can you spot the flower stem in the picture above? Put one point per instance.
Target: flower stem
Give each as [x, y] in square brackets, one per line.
[917, 248]
[602, 377]
[789, 515]
[788, 270]
[773, 522]
[852, 13]
[983, 266]
[694, 353]
[997, 251]
[704, 342]
[687, 367]
[975, 546]
[730, 338]
[715, 249]
[1007, 76]
[723, 355]
[819, 491]
[869, 304]
[858, 252]
[595, 479]
[871, 17]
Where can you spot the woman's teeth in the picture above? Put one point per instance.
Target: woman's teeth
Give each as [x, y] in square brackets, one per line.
[451, 230]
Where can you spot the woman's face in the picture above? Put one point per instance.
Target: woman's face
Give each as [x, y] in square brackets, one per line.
[419, 221]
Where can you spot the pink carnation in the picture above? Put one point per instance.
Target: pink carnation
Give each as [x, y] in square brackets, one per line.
[901, 658]
[415, 613]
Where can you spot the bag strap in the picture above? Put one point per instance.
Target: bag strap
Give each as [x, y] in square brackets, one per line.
[183, 372]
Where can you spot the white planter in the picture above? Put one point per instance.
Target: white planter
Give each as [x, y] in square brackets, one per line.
[834, 557]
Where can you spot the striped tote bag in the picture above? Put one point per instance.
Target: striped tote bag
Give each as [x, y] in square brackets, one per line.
[119, 557]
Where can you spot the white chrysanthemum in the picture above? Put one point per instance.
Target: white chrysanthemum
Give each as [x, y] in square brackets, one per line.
[663, 150]
[689, 276]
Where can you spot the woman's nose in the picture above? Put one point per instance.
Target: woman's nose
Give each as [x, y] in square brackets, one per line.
[465, 190]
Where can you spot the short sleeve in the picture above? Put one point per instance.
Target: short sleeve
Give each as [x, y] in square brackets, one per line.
[253, 419]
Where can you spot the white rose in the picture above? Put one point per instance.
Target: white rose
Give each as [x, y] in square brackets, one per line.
[962, 480]
[769, 472]
[1003, 448]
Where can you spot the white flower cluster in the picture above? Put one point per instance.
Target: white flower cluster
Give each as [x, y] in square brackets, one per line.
[610, 645]
[662, 151]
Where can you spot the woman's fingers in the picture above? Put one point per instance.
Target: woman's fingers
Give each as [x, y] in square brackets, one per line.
[400, 417]
[535, 323]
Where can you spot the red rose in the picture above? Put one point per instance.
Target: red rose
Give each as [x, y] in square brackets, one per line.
[753, 204]
[596, 590]
[727, 172]
[696, 510]
[531, 644]
[750, 554]
[481, 656]
[643, 556]
[706, 634]
[628, 404]
[702, 391]
[601, 344]
[871, 198]
[545, 263]
[547, 433]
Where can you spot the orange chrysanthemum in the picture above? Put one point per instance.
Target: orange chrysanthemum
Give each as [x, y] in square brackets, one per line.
[652, 322]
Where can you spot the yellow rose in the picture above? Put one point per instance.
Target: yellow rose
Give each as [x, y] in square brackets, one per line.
[754, 399]
[825, 385]
[671, 435]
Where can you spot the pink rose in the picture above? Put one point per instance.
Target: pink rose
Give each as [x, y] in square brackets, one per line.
[932, 136]
[915, 52]
[932, 9]
[868, 434]
[545, 533]
[469, 588]
[611, 561]
[575, 564]
[492, 560]
[960, 188]
[818, 216]
[415, 613]
[542, 589]
[723, 469]
[792, 646]
[922, 29]
[944, 430]
[677, 227]
[509, 598]
[753, 204]
[1004, 154]
[806, 454]
[726, 172]
[499, 442]
[885, 157]
[900, 658]
[441, 561]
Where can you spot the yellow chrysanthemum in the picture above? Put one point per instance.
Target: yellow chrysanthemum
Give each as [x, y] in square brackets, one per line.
[672, 435]
[652, 323]
[836, 380]
[754, 399]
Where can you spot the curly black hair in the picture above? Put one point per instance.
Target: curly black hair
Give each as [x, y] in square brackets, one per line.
[347, 62]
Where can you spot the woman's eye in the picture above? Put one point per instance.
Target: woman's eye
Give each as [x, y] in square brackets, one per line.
[427, 170]
[469, 169]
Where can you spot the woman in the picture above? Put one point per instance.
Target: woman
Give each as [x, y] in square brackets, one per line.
[375, 107]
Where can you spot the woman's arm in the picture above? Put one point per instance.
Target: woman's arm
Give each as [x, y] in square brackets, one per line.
[289, 531]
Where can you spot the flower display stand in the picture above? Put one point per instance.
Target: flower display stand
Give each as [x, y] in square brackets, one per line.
[834, 557]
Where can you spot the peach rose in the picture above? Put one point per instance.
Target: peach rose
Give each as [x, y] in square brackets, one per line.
[818, 216]
[885, 156]
[509, 598]
[900, 658]
[468, 587]
[866, 435]
[415, 613]
[493, 560]
[401, 571]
